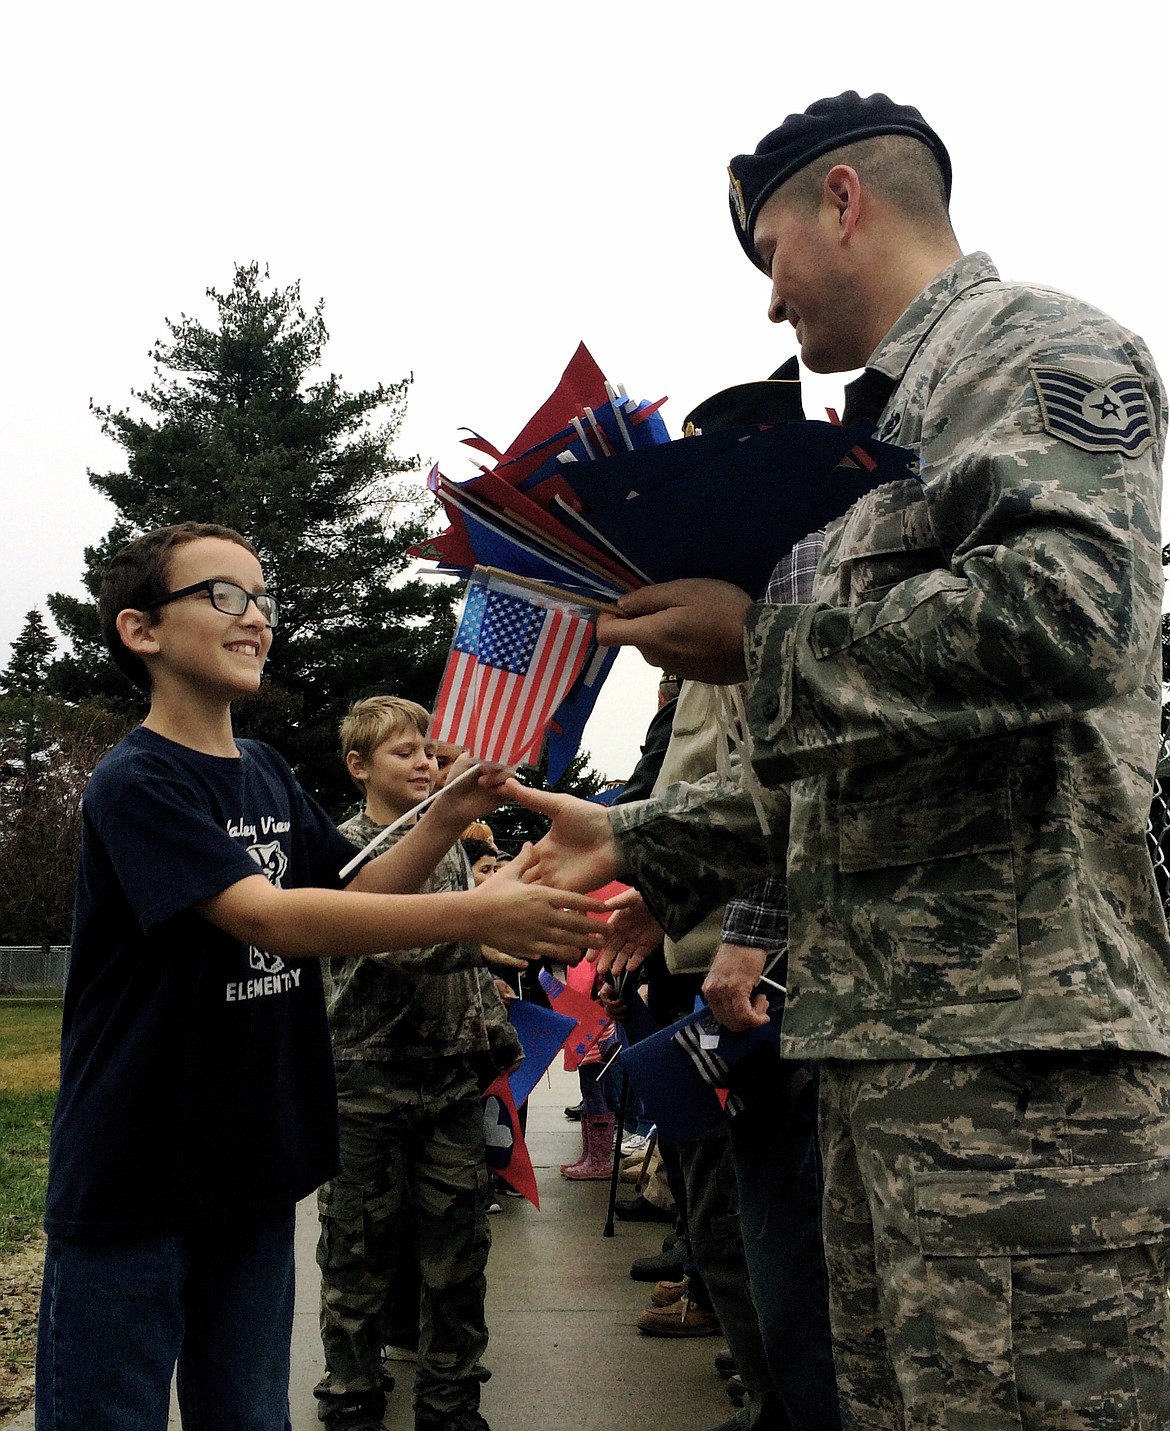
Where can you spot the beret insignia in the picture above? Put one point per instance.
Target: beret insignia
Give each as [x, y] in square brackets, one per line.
[738, 204]
[1109, 416]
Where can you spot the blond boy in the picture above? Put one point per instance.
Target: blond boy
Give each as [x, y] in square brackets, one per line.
[410, 1038]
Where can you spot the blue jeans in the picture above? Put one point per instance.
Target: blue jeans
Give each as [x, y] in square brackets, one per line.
[716, 1245]
[778, 1169]
[117, 1316]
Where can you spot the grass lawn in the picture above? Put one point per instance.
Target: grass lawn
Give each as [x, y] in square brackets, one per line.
[30, 1034]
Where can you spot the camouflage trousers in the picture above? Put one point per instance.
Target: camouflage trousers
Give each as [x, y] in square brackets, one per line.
[997, 1232]
[412, 1156]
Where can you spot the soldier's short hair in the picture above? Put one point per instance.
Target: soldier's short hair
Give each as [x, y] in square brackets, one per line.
[374, 719]
[137, 577]
[901, 170]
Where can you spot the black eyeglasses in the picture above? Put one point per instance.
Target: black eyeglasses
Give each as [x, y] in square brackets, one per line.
[228, 597]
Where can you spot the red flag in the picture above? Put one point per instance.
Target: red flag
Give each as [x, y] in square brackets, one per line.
[582, 383]
[591, 1019]
[507, 1155]
[514, 658]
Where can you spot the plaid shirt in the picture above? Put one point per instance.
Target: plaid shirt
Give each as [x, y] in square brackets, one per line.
[759, 919]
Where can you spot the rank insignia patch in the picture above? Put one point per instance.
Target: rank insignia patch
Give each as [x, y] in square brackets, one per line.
[1099, 417]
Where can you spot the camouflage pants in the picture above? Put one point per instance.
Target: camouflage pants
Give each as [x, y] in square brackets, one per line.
[412, 1150]
[997, 1233]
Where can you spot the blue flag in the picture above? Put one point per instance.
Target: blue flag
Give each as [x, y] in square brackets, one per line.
[678, 1071]
[541, 1033]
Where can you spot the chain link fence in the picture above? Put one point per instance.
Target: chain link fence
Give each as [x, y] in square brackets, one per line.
[33, 968]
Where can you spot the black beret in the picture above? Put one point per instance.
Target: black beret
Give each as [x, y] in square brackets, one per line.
[827, 124]
[774, 399]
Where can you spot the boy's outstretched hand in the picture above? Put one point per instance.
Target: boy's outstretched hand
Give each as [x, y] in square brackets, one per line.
[579, 851]
[459, 804]
[534, 921]
[500, 960]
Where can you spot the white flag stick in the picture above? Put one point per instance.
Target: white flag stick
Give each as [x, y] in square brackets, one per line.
[616, 406]
[579, 429]
[382, 835]
[598, 433]
[617, 1053]
[771, 964]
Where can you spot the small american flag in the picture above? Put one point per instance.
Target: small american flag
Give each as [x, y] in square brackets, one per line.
[514, 658]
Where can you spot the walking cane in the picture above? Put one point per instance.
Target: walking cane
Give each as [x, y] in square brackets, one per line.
[615, 1171]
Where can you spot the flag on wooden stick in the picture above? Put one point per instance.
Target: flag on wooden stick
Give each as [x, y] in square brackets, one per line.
[515, 655]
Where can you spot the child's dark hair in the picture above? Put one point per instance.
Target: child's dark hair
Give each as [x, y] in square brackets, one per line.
[476, 849]
[136, 579]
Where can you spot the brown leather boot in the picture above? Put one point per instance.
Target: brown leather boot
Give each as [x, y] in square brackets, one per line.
[681, 1319]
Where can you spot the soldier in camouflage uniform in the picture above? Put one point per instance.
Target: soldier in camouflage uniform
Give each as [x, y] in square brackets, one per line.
[956, 742]
[410, 1040]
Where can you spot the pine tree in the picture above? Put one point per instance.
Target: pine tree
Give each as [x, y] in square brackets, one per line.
[32, 654]
[241, 428]
[48, 750]
[48, 747]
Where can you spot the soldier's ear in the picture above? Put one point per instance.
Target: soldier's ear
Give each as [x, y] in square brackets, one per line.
[842, 198]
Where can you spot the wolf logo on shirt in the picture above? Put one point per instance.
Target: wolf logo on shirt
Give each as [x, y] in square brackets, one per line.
[273, 862]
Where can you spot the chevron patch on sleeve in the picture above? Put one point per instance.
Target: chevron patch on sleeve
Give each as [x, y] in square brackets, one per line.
[1099, 417]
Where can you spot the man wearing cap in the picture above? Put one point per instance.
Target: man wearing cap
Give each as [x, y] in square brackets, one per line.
[958, 737]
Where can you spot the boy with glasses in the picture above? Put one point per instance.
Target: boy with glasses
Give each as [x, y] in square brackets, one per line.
[197, 1101]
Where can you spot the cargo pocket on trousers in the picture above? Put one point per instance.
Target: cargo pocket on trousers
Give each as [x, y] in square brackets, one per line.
[1049, 1290]
[342, 1242]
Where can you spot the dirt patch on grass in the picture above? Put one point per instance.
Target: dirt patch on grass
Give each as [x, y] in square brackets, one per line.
[30, 1072]
[20, 1295]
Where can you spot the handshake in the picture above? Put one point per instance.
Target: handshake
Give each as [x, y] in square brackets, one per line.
[580, 853]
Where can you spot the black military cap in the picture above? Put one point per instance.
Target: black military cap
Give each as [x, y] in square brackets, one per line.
[774, 399]
[826, 124]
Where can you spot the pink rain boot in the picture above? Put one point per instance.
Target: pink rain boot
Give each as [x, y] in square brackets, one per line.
[597, 1150]
[586, 1146]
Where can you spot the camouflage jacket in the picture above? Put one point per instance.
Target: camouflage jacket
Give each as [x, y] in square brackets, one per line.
[966, 720]
[417, 1003]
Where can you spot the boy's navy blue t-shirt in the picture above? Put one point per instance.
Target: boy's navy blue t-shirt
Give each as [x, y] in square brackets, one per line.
[196, 1074]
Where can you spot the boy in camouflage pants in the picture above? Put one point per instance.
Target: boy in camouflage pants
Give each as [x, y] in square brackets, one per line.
[410, 1042]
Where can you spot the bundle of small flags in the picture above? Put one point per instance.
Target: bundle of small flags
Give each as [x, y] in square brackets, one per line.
[511, 516]
[593, 500]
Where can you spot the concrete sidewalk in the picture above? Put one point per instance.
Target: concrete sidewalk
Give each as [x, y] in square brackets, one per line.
[564, 1350]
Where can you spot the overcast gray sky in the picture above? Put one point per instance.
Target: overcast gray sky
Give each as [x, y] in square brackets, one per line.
[473, 189]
